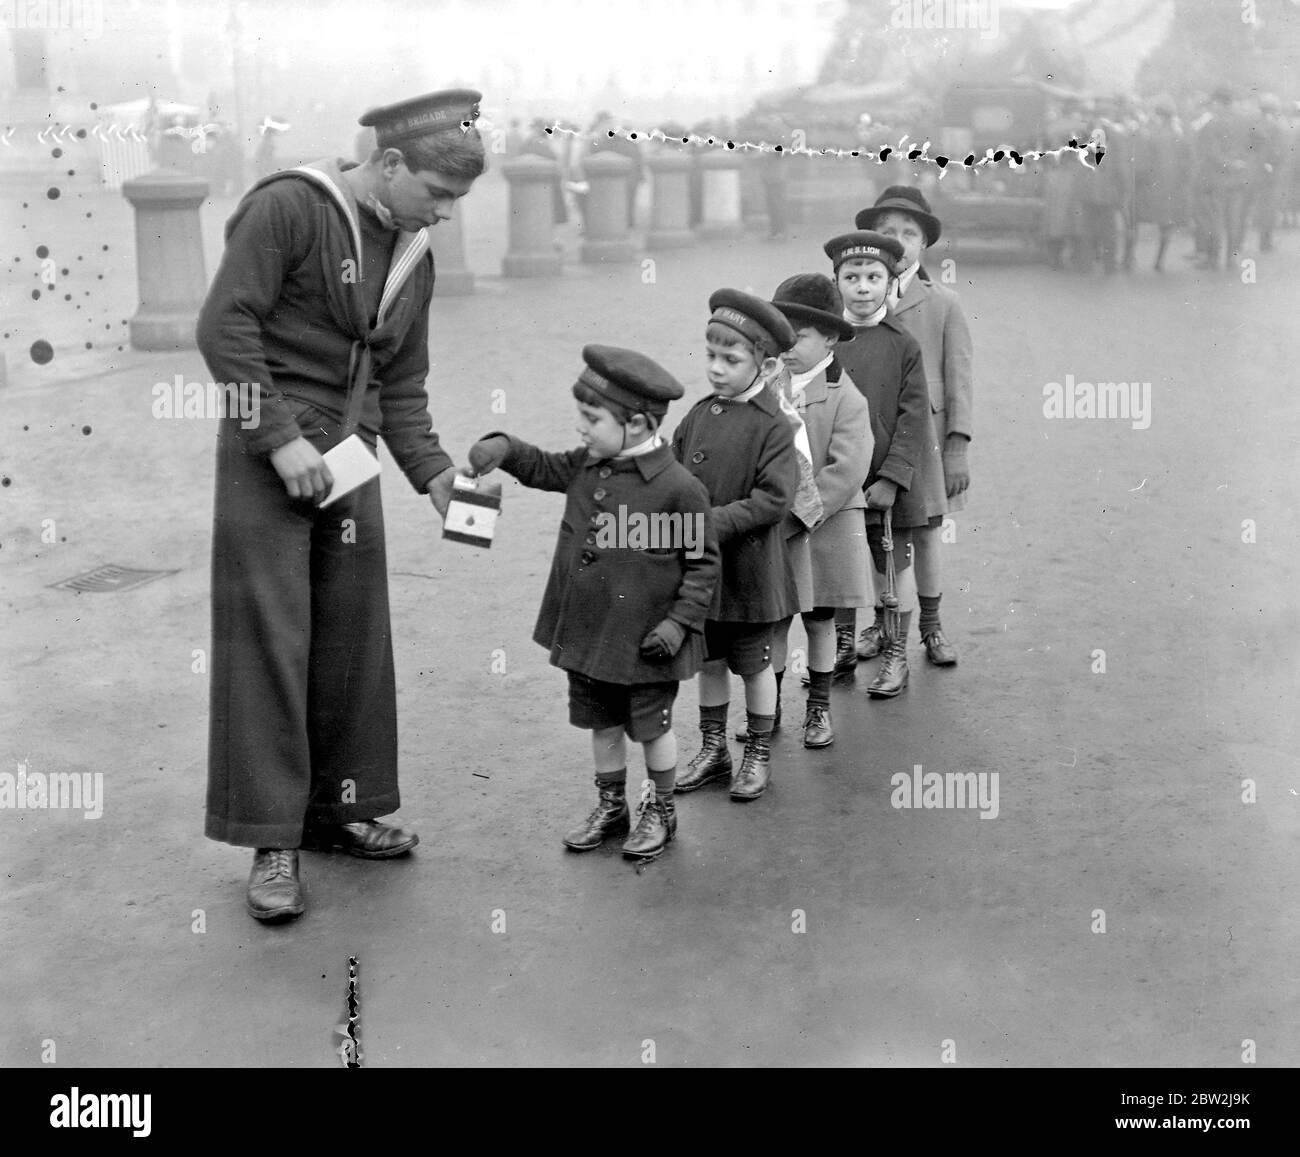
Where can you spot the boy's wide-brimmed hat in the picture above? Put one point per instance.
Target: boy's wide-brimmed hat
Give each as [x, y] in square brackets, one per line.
[866, 246]
[752, 318]
[422, 115]
[812, 299]
[902, 199]
[630, 379]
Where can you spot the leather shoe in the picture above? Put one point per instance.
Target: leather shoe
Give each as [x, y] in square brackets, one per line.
[274, 890]
[938, 650]
[817, 730]
[368, 839]
[871, 642]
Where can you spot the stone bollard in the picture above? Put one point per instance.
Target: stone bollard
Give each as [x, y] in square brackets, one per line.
[606, 237]
[753, 193]
[447, 238]
[168, 258]
[721, 209]
[532, 251]
[670, 208]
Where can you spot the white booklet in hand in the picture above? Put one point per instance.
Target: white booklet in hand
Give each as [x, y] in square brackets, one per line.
[351, 465]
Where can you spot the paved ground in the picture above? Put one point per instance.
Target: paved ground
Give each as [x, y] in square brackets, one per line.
[1119, 791]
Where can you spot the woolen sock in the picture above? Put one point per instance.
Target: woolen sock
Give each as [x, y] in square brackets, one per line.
[819, 688]
[716, 714]
[663, 781]
[604, 778]
[929, 620]
[759, 724]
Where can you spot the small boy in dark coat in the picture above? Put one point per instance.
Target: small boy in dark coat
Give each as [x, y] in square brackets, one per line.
[630, 586]
[739, 443]
[885, 363]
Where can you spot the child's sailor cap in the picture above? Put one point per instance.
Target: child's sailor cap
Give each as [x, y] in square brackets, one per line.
[864, 245]
[630, 379]
[751, 317]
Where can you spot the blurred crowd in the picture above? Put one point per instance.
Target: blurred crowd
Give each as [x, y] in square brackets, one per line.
[1216, 169]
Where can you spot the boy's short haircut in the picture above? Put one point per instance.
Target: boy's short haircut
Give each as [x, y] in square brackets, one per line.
[589, 396]
[454, 151]
[727, 337]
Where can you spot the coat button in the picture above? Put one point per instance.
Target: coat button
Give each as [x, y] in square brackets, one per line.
[697, 457]
[604, 471]
[715, 408]
[591, 540]
[588, 557]
[597, 518]
[599, 496]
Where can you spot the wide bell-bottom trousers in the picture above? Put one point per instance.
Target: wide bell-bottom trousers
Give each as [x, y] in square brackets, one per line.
[303, 711]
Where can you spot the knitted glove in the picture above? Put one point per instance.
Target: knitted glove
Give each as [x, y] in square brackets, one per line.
[488, 453]
[664, 641]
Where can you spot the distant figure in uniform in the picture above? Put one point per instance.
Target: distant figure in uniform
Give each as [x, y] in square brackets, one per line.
[321, 303]
[1163, 187]
[1225, 146]
[1272, 137]
[1100, 195]
[1289, 181]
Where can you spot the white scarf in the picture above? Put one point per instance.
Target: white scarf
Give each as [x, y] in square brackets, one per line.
[799, 382]
[875, 319]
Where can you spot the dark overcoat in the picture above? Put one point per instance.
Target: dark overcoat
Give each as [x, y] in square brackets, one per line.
[743, 453]
[603, 597]
[885, 363]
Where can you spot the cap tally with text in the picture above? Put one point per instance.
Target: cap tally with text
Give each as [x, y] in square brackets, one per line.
[902, 199]
[630, 379]
[421, 115]
[752, 318]
[865, 246]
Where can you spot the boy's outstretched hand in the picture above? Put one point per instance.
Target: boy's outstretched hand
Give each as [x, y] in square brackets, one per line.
[488, 453]
[664, 641]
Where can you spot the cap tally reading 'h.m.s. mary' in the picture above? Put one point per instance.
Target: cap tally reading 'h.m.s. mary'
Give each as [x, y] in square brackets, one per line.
[421, 115]
[865, 246]
[629, 379]
[752, 318]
